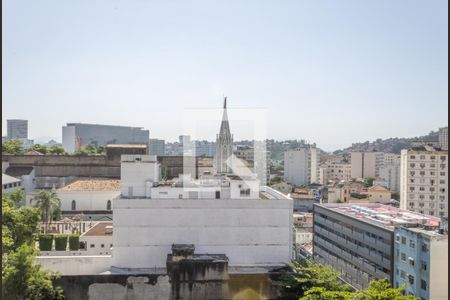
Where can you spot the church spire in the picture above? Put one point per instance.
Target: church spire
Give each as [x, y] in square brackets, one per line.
[224, 143]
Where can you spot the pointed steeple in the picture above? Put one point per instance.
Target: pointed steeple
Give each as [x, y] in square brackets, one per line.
[224, 143]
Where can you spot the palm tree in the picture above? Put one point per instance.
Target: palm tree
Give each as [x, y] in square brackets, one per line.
[48, 203]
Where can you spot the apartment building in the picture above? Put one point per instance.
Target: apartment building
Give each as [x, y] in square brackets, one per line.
[424, 180]
[390, 171]
[366, 164]
[358, 240]
[421, 262]
[335, 171]
[258, 159]
[443, 138]
[301, 166]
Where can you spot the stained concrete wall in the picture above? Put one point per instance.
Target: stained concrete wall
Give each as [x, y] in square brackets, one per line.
[158, 287]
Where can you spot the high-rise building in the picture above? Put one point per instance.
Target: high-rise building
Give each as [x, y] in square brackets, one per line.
[258, 158]
[366, 164]
[224, 144]
[205, 148]
[301, 166]
[157, 147]
[77, 135]
[390, 171]
[17, 129]
[424, 180]
[443, 138]
[358, 239]
[421, 262]
[335, 171]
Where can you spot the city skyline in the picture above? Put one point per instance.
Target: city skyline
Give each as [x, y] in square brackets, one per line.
[330, 73]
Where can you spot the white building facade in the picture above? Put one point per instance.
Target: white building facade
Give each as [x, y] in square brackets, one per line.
[390, 172]
[301, 166]
[224, 215]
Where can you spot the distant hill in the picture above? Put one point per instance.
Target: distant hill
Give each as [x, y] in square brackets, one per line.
[392, 145]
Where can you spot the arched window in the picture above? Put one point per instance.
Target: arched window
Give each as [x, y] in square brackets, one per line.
[74, 205]
[108, 205]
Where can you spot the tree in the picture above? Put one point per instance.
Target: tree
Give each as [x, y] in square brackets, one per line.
[48, 203]
[307, 275]
[13, 147]
[369, 181]
[17, 196]
[19, 224]
[57, 149]
[21, 278]
[39, 148]
[382, 290]
[312, 281]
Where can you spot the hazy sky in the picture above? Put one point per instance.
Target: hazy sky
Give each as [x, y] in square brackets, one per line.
[333, 72]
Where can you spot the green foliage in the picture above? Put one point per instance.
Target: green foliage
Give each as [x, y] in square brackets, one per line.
[369, 181]
[306, 275]
[39, 148]
[276, 180]
[61, 242]
[91, 150]
[74, 242]
[13, 147]
[312, 281]
[17, 196]
[22, 279]
[45, 242]
[19, 224]
[49, 205]
[57, 149]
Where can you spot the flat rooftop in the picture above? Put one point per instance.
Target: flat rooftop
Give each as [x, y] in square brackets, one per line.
[92, 185]
[382, 215]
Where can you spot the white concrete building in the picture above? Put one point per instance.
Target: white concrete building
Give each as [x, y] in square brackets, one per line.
[301, 166]
[366, 164]
[443, 138]
[424, 180]
[93, 198]
[10, 184]
[390, 172]
[218, 214]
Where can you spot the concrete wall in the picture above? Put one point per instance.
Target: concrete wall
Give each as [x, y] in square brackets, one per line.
[250, 232]
[157, 287]
[75, 265]
[438, 280]
[87, 200]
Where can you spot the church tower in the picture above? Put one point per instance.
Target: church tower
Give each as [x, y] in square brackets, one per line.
[224, 144]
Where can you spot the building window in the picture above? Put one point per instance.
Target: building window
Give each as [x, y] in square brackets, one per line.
[403, 257]
[412, 165]
[423, 285]
[5, 186]
[411, 244]
[108, 205]
[424, 266]
[422, 157]
[412, 157]
[411, 261]
[402, 274]
[180, 196]
[245, 192]
[403, 240]
[92, 246]
[424, 247]
[432, 157]
[102, 246]
[442, 173]
[74, 205]
[411, 279]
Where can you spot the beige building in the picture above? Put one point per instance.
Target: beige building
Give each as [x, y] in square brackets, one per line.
[379, 194]
[424, 180]
[301, 166]
[335, 171]
[366, 164]
[443, 138]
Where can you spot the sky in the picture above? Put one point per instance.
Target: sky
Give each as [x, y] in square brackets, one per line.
[331, 72]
